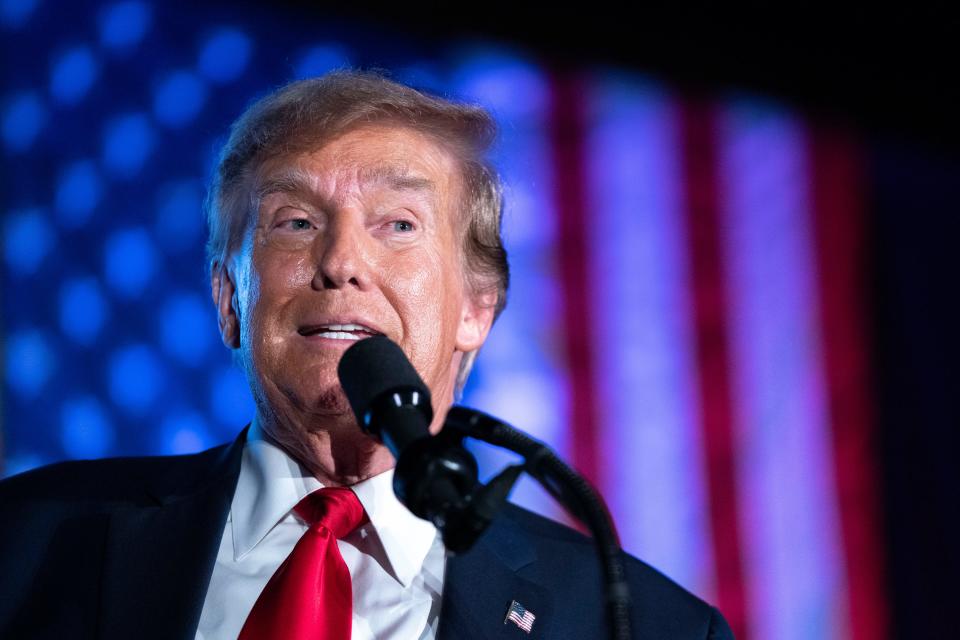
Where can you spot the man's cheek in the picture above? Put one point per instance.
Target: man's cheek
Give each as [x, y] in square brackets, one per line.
[420, 283]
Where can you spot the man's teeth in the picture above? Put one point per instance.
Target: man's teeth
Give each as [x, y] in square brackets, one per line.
[338, 335]
[346, 327]
[343, 331]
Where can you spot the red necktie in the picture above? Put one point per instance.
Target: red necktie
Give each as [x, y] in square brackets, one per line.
[310, 595]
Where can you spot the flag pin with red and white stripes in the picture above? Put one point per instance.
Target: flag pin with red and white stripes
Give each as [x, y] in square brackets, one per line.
[518, 615]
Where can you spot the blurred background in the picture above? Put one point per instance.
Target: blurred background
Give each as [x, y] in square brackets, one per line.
[733, 242]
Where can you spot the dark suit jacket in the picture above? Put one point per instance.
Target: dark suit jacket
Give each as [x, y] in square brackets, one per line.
[124, 548]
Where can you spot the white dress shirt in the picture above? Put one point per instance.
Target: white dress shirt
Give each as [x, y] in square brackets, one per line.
[396, 560]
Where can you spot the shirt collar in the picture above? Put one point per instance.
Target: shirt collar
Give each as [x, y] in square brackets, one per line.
[271, 483]
[406, 539]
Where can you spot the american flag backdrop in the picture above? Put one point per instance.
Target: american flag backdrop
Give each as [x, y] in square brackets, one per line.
[697, 299]
[686, 321]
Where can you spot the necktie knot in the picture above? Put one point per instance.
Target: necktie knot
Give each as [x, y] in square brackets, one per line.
[335, 508]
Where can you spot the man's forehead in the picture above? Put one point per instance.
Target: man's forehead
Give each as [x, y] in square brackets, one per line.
[398, 157]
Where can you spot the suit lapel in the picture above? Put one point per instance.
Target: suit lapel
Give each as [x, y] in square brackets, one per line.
[159, 556]
[480, 585]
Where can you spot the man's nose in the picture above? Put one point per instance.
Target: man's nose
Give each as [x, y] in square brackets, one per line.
[343, 260]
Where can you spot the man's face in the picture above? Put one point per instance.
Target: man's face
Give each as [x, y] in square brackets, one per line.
[358, 237]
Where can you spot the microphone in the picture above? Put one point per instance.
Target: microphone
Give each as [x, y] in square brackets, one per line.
[388, 397]
[435, 476]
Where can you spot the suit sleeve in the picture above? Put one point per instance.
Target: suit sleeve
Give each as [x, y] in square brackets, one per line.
[718, 629]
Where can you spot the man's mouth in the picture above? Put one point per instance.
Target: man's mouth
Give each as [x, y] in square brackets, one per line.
[339, 331]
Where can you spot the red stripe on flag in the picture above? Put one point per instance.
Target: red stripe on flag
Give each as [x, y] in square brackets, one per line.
[570, 179]
[698, 135]
[838, 196]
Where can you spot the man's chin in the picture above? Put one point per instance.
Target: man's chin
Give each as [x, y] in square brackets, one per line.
[331, 401]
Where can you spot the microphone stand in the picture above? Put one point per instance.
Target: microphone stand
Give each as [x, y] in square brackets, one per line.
[436, 477]
[560, 480]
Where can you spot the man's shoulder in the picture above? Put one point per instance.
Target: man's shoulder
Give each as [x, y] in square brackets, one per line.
[554, 539]
[121, 480]
[568, 559]
[68, 525]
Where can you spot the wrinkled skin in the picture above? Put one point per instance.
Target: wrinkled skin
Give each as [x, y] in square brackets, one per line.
[363, 230]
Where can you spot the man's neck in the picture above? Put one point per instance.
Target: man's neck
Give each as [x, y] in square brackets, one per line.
[335, 456]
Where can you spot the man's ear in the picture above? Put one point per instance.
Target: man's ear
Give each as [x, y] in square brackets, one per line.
[476, 318]
[223, 290]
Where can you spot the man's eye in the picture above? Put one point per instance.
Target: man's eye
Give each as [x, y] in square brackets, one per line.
[404, 226]
[297, 224]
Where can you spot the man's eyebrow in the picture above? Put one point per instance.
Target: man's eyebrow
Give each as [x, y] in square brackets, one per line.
[395, 177]
[297, 181]
[289, 181]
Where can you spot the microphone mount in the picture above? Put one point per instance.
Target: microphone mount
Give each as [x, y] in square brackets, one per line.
[569, 488]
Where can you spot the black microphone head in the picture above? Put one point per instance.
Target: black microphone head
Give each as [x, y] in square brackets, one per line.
[376, 366]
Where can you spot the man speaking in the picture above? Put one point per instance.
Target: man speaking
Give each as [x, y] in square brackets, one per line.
[344, 207]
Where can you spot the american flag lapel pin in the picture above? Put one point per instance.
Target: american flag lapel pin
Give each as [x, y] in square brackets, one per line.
[519, 616]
